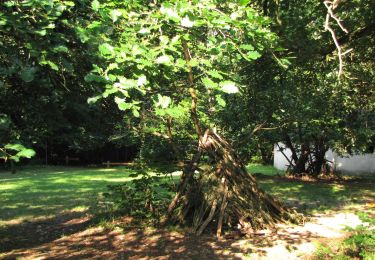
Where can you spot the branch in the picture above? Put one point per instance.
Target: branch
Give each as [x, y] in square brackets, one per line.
[330, 15]
[281, 149]
[193, 92]
[260, 127]
[368, 30]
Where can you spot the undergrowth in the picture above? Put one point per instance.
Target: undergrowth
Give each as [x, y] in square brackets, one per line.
[145, 198]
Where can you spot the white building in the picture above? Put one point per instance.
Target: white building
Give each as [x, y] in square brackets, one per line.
[363, 164]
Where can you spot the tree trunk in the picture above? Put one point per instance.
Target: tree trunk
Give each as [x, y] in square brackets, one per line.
[298, 160]
[12, 167]
[302, 160]
[319, 157]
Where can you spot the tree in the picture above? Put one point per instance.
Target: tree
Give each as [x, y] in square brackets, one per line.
[159, 56]
[44, 57]
[304, 104]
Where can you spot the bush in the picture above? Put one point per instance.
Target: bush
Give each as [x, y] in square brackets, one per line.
[145, 197]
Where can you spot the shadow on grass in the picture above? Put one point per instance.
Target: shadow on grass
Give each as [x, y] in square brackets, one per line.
[33, 233]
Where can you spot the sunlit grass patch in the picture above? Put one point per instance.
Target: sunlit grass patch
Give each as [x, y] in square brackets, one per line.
[47, 191]
[254, 168]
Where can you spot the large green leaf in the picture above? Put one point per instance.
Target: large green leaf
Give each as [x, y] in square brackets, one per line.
[95, 5]
[244, 2]
[14, 147]
[215, 74]
[93, 100]
[220, 101]
[41, 32]
[165, 59]
[106, 49]
[186, 22]
[51, 64]
[253, 55]
[208, 83]
[26, 153]
[115, 14]
[163, 101]
[122, 104]
[61, 48]
[94, 78]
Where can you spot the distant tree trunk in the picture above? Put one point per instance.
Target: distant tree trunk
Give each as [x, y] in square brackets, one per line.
[266, 154]
[12, 167]
[302, 160]
[299, 159]
[319, 161]
[307, 160]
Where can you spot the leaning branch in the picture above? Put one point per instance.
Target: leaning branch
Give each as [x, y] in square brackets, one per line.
[193, 92]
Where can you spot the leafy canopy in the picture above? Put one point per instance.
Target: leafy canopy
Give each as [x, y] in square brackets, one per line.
[149, 49]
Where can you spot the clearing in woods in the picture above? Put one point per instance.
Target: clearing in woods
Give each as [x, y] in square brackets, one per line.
[47, 212]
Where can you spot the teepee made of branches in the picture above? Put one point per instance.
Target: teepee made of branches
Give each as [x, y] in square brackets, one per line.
[221, 193]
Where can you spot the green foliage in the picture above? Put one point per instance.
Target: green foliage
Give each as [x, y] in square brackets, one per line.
[144, 63]
[15, 152]
[145, 197]
[304, 99]
[44, 55]
[66, 65]
[323, 252]
[28, 74]
[11, 151]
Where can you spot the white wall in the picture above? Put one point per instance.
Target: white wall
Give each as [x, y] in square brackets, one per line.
[279, 160]
[363, 164]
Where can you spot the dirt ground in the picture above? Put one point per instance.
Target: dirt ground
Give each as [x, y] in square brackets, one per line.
[43, 240]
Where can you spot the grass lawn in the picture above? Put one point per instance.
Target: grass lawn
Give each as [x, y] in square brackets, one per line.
[39, 192]
[317, 197]
[264, 169]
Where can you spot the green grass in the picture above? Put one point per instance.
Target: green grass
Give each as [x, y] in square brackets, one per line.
[37, 192]
[264, 169]
[48, 191]
[314, 197]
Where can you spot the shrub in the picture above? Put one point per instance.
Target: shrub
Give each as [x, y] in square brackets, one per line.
[145, 197]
